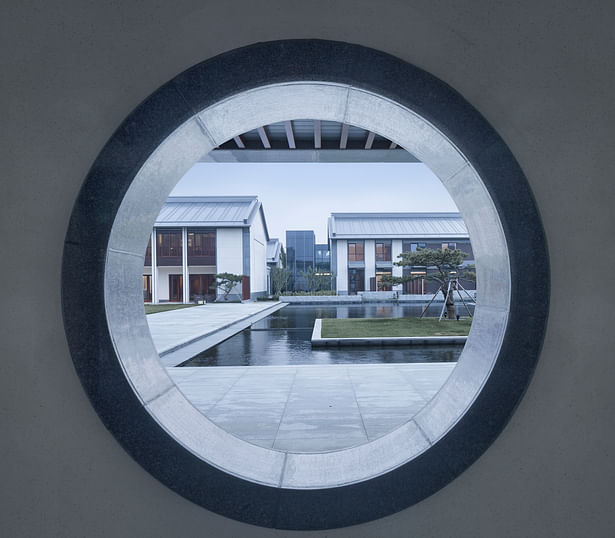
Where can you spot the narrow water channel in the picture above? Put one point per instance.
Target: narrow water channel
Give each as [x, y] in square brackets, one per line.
[283, 338]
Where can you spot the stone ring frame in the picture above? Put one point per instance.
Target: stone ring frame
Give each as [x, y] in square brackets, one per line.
[103, 262]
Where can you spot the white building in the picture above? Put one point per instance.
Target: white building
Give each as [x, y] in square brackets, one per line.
[197, 237]
[365, 245]
[274, 250]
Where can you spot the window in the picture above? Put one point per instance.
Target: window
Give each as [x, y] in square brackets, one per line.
[148, 253]
[201, 247]
[451, 246]
[408, 246]
[379, 285]
[147, 288]
[383, 251]
[355, 251]
[416, 286]
[169, 250]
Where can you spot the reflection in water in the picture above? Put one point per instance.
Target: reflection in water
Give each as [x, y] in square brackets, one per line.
[284, 339]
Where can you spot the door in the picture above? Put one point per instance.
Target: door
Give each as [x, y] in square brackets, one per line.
[356, 281]
[147, 288]
[200, 287]
[176, 288]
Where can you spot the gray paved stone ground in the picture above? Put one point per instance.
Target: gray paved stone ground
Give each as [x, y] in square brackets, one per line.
[311, 408]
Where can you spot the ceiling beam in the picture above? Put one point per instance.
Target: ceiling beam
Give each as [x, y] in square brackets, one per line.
[239, 142]
[290, 136]
[370, 140]
[308, 156]
[344, 136]
[317, 134]
[393, 145]
[264, 138]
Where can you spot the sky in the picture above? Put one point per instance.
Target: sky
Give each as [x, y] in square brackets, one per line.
[301, 196]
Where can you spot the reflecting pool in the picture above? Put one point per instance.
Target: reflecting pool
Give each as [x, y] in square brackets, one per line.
[283, 338]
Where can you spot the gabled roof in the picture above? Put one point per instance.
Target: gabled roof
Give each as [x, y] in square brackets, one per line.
[214, 211]
[396, 226]
[274, 248]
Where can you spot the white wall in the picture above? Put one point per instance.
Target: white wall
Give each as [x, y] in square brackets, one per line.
[201, 269]
[163, 281]
[342, 266]
[229, 253]
[258, 256]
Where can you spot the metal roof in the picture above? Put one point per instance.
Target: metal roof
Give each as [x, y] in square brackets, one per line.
[273, 250]
[396, 225]
[221, 211]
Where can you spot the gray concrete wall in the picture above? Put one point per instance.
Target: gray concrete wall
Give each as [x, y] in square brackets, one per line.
[541, 73]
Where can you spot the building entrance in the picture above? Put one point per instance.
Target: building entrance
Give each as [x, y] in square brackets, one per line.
[201, 287]
[176, 288]
[147, 288]
[356, 281]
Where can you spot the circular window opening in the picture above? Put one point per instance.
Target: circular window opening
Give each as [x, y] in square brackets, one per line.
[130, 181]
[286, 382]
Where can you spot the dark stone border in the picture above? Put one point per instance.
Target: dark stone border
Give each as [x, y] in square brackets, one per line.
[84, 265]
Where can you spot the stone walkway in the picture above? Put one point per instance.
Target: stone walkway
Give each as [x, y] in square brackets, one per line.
[180, 334]
[311, 408]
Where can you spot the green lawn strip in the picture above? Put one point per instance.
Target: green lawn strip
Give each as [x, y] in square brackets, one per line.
[377, 327]
[155, 308]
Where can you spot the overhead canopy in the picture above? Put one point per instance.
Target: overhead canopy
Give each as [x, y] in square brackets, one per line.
[309, 141]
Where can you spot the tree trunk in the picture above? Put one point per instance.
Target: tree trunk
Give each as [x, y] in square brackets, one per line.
[451, 311]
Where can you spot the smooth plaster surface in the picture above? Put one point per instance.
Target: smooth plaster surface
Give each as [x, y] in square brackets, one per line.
[542, 75]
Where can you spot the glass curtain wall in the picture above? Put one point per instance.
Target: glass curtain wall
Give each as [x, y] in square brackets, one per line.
[300, 257]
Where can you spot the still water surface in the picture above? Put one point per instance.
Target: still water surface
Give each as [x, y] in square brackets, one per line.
[283, 338]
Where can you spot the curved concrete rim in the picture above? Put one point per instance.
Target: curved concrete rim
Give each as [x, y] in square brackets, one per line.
[242, 113]
[424, 446]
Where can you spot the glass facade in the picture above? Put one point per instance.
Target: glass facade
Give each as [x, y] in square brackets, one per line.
[300, 256]
[322, 258]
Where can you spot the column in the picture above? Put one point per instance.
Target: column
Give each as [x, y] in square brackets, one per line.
[154, 268]
[370, 261]
[396, 249]
[185, 277]
[341, 247]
